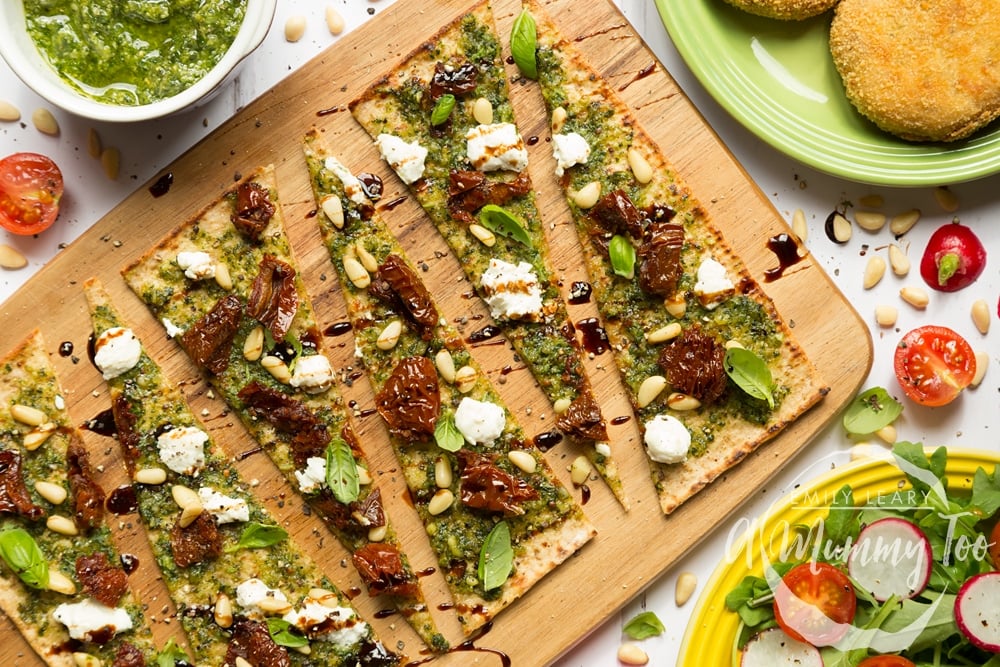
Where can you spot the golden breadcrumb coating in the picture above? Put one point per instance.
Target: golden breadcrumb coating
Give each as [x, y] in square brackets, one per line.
[786, 10]
[922, 70]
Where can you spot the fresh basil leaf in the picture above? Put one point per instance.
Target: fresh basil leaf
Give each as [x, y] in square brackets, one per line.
[644, 626]
[523, 42]
[843, 520]
[341, 471]
[442, 109]
[622, 254]
[750, 374]
[500, 221]
[496, 559]
[740, 600]
[447, 435]
[283, 634]
[258, 536]
[870, 411]
[985, 492]
[171, 655]
[22, 555]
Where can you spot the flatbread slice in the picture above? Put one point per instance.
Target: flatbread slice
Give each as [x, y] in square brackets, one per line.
[468, 464]
[673, 295]
[468, 170]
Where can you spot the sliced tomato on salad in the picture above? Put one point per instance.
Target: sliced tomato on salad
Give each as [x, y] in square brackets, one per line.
[886, 661]
[815, 603]
[31, 186]
[933, 365]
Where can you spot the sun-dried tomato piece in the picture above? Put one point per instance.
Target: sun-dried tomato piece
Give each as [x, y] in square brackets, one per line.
[128, 655]
[254, 209]
[100, 579]
[469, 191]
[369, 512]
[210, 339]
[660, 258]
[616, 213]
[88, 496]
[583, 419]
[381, 567]
[14, 496]
[694, 365]
[454, 80]
[198, 542]
[414, 298]
[251, 641]
[128, 436]
[310, 436]
[485, 486]
[273, 299]
[410, 400]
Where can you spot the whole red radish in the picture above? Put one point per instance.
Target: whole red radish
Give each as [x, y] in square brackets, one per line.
[953, 259]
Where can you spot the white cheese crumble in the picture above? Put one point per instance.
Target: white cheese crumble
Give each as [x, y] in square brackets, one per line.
[172, 329]
[182, 449]
[512, 291]
[479, 422]
[251, 592]
[312, 374]
[568, 150]
[313, 476]
[667, 439]
[197, 265]
[603, 448]
[225, 509]
[338, 625]
[85, 618]
[59, 402]
[495, 147]
[116, 351]
[713, 286]
[406, 159]
[352, 186]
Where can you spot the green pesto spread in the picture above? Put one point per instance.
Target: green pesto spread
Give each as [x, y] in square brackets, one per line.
[133, 52]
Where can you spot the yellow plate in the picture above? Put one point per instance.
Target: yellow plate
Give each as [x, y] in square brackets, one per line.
[712, 631]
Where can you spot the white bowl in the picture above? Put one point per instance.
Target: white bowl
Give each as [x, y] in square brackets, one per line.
[18, 50]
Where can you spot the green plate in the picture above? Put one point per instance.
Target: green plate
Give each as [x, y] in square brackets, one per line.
[777, 78]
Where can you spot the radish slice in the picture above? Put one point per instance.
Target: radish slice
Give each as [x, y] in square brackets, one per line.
[891, 557]
[977, 613]
[773, 648]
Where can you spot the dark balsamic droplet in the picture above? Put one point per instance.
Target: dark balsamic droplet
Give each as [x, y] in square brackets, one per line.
[579, 292]
[337, 329]
[130, 563]
[162, 185]
[102, 423]
[123, 500]
[65, 348]
[371, 184]
[595, 338]
[486, 333]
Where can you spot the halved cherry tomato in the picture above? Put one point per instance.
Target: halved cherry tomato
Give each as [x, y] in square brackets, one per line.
[994, 549]
[886, 661]
[933, 364]
[815, 603]
[31, 186]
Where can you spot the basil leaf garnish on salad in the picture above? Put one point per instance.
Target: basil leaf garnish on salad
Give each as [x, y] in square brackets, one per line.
[871, 410]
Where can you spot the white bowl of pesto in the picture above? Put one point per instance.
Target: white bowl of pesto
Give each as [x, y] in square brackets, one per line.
[129, 60]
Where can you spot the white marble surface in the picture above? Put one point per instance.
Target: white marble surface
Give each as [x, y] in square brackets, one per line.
[148, 147]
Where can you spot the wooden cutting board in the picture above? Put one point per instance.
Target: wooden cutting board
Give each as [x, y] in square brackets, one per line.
[632, 548]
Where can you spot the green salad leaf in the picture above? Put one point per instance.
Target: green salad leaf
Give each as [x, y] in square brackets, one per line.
[500, 221]
[871, 410]
[342, 471]
[496, 559]
[523, 42]
[643, 626]
[21, 554]
[750, 373]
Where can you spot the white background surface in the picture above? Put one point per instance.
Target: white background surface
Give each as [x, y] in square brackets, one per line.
[970, 422]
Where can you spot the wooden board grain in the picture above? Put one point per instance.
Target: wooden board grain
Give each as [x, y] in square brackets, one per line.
[632, 548]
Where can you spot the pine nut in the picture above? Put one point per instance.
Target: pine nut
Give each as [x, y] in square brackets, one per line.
[364, 477]
[982, 362]
[271, 606]
[241, 662]
[482, 111]
[886, 316]
[587, 196]
[81, 659]
[799, 226]
[887, 434]
[915, 296]
[54, 493]
[871, 201]
[27, 415]
[111, 159]
[8, 112]
[838, 228]
[580, 470]
[898, 260]
[465, 379]
[11, 258]
[687, 582]
[443, 476]
[222, 277]
[440, 502]
[676, 306]
[640, 166]
[731, 343]
[378, 533]
[871, 221]
[320, 595]
[295, 27]
[61, 524]
[558, 119]
[523, 460]
[903, 222]
[632, 654]
[334, 21]
[38, 436]
[333, 209]
[253, 346]
[94, 147]
[867, 450]
[185, 496]
[45, 122]
[445, 365]
[485, 236]
[356, 273]
[663, 334]
[366, 258]
[981, 316]
[682, 402]
[650, 389]
[946, 199]
[60, 583]
[150, 476]
[223, 611]
[389, 336]
[874, 271]
[277, 368]
[561, 405]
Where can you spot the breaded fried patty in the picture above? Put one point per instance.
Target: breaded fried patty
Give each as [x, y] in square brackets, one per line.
[922, 70]
[787, 10]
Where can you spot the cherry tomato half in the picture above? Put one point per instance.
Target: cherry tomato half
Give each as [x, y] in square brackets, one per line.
[815, 603]
[886, 661]
[933, 364]
[30, 188]
[994, 549]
